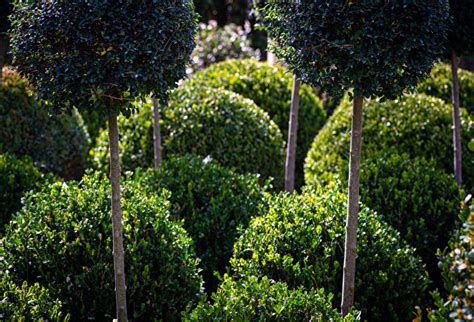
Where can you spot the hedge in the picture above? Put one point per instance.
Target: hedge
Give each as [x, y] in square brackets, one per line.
[73, 257]
[300, 241]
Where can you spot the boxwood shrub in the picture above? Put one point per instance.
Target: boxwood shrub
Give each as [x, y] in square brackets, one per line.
[204, 121]
[56, 143]
[62, 240]
[300, 241]
[418, 125]
[440, 82]
[262, 299]
[17, 176]
[270, 88]
[212, 201]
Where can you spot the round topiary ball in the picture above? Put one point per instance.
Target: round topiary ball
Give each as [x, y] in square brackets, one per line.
[62, 239]
[418, 125]
[209, 122]
[270, 88]
[262, 299]
[212, 201]
[440, 83]
[56, 143]
[300, 241]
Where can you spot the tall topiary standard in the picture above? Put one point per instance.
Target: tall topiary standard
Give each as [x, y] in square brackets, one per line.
[99, 55]
[375, 48]
[461, 40]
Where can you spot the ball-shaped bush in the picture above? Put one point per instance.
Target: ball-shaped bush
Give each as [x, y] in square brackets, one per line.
[333, 44]
[418, 125]
[270, 88]
[208, 122]
[212, 201]
[102, 53]
[300, 241]
[73, 255]
[262, 299]
[57, 143]
[18, 176]
[440, 83]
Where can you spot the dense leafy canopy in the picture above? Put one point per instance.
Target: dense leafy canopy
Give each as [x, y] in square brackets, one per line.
[81, 52]
[376, 47]
[461, 35]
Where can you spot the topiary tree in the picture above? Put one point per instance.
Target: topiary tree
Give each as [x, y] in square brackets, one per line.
[73, 257]
[335, 46]
[94, 55]
[270, 87]
[300, 241]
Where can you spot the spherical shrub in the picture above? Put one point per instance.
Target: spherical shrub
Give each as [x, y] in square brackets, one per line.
[62, 238]
[262, 299]
[208, 122]
[28, 303]
[270, 88]
[439, 84]
[56, 143]
[212, 201]
[300, 241]
[18, 176]
[418, 125]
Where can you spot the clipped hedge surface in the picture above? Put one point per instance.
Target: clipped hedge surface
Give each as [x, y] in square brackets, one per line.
[256, 299]
[56, 143]
[300, 241]
[17, 176]
[418, 125]
[270, 88]
[73, 257]
[206, 122]
[212, 201]
[439, 84]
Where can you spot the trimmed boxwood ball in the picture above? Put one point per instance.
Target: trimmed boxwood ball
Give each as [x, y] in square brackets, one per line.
[17, 176]
[439, 84]
[57, 143]
[300, 241]
[209, 122]
[270, 88]
[212, 201]
[418, 125]
[73, 257]
[262, 299]
[334, 45]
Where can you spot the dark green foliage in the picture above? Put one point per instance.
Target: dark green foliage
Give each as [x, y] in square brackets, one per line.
[440, 82]
[6, 7]
[73, 255]
[215, 44]
[418, 125]
[57, 143]
[103, 52]
[27, 303]
[212, 201]
[224, 12]
[270, 88]
[218, 123]
[18, 176]
[256, 299]
[300, 241]
[376, 47]
[461, 35]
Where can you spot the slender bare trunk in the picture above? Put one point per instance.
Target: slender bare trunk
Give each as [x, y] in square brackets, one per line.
[118, 253]
[292, 135]
[350, 249]
[271, 59]
[157, 157]
[456, 120]
[4, 43]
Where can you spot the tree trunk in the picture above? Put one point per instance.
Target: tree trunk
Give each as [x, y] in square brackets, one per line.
[4, 43]
[271, 58]
[350, 249]
[456, 120]
[118, 253]
[292, 135]
[157, 157]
